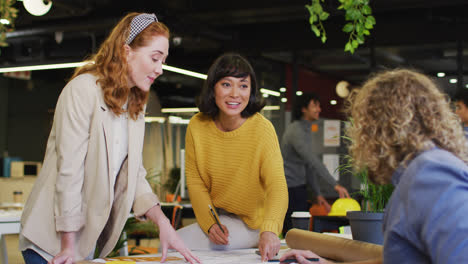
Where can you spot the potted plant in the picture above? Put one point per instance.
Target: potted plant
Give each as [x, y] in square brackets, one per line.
[366, 225]
[137, 229]
[172, 184]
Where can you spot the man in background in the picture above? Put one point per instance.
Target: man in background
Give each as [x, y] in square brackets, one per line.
[461, 108]
[301, 165]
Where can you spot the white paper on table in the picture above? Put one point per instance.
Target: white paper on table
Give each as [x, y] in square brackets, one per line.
[332, 161]
[331, 133]
[237, 256]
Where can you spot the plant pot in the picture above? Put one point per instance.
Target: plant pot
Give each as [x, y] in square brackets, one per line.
[366, 226]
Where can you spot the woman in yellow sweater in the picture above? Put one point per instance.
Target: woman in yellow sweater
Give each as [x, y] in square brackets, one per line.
[234, 164]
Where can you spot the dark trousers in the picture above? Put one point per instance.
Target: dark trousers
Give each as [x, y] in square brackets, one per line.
[297, 202]
[32, 257]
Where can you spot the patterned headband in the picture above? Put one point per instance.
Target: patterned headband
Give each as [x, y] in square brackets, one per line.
[139, 23]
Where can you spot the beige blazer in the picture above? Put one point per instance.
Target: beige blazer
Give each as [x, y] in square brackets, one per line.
[75, 190]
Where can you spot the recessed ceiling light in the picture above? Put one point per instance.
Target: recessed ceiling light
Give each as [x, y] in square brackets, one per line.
[282, 89]
[333, 102]
[299, 93]
[284, 100]
[441, 74]
[453, 80]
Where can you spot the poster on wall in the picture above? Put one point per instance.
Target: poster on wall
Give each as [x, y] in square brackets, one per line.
[332, 162]
[331, 133]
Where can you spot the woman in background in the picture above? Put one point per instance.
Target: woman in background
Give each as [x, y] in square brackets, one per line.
[234, 163]
[404, 132]
[93, 173]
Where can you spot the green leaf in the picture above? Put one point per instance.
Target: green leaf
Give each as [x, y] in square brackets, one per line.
[371, 19]
[369, 25]
[355, 44]
[366, 10]
[324, 38]
[359, 29]
[353, 14]
[340, 7]
[324, 15]
[317, 8]
[366, 32]
[315, 30]
[348, 27]
[360, 39]
[348, 46]
[312, 19]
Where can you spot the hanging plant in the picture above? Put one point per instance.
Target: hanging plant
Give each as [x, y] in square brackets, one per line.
[7, 15]
[358, 15]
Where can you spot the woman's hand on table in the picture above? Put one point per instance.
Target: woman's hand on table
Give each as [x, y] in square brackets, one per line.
[217, 236]
[168, 236]
[65, 256]
[67, 253]
[302, 255]
[269, 245]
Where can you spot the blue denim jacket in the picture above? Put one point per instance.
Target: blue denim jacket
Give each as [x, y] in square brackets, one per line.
[426, 219]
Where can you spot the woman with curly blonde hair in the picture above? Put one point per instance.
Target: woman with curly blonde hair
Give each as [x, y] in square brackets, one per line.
[93, 174]
[405, 132]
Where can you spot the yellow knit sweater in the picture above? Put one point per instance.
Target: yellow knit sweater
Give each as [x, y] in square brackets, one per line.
[240, 171]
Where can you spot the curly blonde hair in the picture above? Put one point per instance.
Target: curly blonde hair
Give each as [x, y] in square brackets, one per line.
[110, 65]
[397, 114]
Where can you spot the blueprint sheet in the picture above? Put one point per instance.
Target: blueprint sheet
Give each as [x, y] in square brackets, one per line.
[239, 256]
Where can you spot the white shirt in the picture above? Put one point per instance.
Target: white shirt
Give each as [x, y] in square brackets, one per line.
[119, 141]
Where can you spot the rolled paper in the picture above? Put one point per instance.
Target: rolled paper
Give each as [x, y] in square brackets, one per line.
[332, 247]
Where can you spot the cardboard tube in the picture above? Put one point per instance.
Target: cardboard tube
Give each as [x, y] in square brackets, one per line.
[331, 247]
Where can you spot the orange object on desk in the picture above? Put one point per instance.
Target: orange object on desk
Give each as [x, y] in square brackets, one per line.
[316, 209]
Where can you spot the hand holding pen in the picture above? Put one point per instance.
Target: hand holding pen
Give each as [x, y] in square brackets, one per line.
[218, 233]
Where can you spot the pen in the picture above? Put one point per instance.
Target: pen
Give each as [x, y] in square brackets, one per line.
[292, 260]
[216, 218]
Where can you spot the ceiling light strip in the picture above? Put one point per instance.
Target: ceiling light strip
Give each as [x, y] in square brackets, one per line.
[185, 72]
[271, 107]
[180, 110]
[150, 119]
[270, 92]
[44, 67]
[79, 64]
[195, 109]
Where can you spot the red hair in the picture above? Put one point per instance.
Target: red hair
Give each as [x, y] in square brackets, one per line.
[111, 68]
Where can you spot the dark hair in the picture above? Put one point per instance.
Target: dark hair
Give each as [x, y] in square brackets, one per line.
[303, 101]
[229, 64]
[461, 95]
